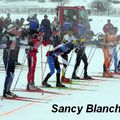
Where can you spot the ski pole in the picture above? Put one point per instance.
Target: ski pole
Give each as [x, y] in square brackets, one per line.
[42, 68]
[89, 59]
[24, 59]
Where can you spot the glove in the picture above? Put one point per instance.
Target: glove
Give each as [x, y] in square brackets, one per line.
[74, 42]
[49, 53]
[82, 40]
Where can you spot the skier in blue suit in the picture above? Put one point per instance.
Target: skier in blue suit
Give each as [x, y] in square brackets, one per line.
[52, 58]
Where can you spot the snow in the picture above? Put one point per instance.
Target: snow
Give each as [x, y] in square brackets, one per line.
[103, 92]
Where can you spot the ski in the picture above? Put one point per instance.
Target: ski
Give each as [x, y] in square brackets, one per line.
[101, 76]
[22, 99]
[77, 83]
[62, 88]
[31, 98]
[94, 78]
[39, 91]
[70, 88]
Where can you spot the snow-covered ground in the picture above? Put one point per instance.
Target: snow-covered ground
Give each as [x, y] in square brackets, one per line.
[103, 92]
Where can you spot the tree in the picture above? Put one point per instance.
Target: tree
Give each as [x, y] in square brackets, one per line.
[101, 5]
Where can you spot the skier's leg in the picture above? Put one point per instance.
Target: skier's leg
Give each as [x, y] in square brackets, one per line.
[78, 60]
[84, 58]
[115, 60]
[57, 66]
[33, 67]
[64, 56]
[29, 68]
[8, 81]
[31, 71]
[107, 60]
[51, 64]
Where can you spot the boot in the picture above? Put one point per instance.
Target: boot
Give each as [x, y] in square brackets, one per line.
[104, 68]
[31, 86]
[75, 77]
[87, 77]
[60, 85]
[44, 83]
[107, 74]
[65, 80]
[9, 95]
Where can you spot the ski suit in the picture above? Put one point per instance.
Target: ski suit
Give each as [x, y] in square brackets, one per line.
[52, 58]
[109, 50]
[64, 56]
[32, 58]
[80, 51]
[9, 62]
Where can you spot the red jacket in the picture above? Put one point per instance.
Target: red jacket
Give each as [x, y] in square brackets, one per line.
[34, 43]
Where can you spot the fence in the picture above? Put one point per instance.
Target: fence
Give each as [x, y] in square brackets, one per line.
[24, 10]
[112, 12]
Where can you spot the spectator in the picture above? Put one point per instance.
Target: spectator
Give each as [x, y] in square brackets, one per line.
[33, 24]
[7, 20]
[107, 26]
[46, 23]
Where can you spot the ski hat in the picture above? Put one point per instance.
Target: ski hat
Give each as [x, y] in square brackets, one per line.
[10, 27]
[45, 16]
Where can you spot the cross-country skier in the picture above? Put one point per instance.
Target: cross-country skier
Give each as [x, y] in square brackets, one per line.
[67, 38]
[109, 50]
[9, 60]
[52, 58]
[34, 43]
[80, 51]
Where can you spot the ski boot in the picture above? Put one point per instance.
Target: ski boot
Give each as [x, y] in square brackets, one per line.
[60, 85]
[87, 77]
[65, 80]
[46, 84]
[107, 74]
[75, 77]
[31, 86]
[9, 95]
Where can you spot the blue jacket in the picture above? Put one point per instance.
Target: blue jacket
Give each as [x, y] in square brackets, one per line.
[81, 29]
[67, 25]
[34, 24]
[61, 49]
